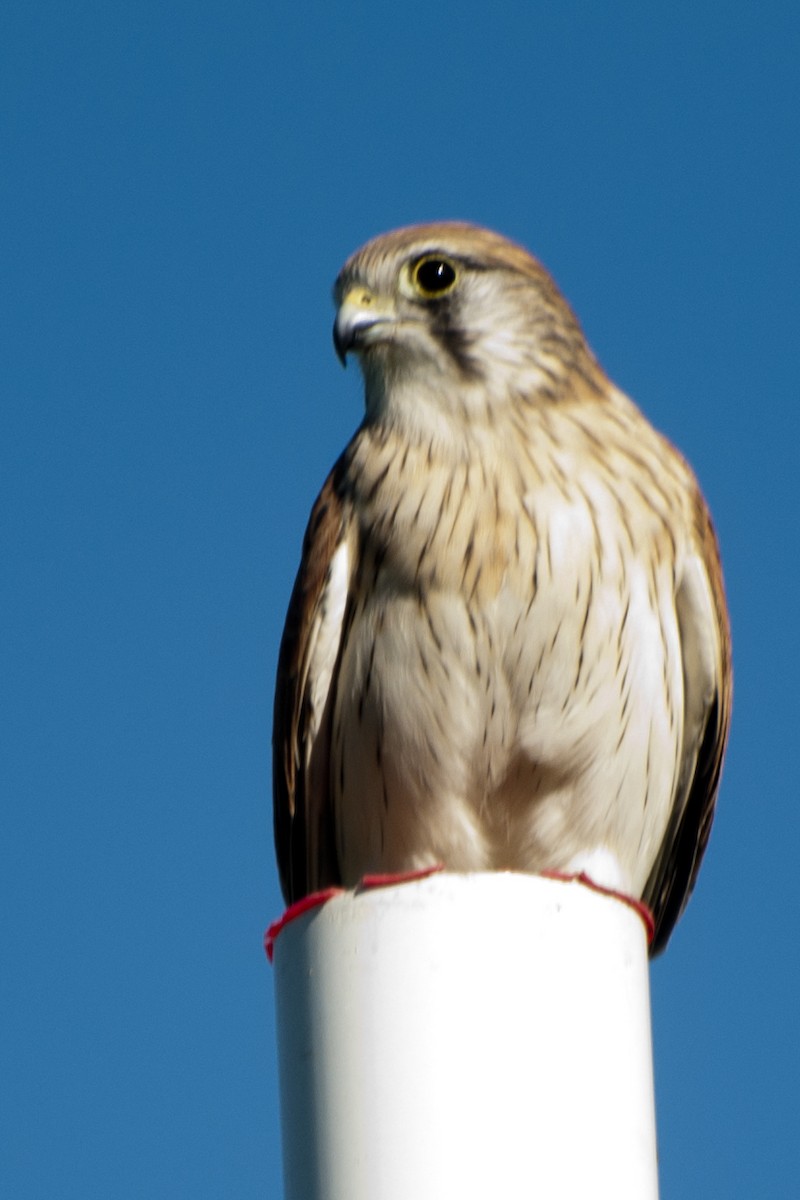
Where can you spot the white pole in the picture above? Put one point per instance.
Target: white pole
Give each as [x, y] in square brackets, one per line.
[466, 1036]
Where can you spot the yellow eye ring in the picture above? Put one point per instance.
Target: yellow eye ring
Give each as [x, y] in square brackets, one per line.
[434, 275]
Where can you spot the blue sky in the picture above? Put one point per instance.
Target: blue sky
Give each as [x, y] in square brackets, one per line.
[180, 185]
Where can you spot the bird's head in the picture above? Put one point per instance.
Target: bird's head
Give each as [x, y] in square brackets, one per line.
[453, 320]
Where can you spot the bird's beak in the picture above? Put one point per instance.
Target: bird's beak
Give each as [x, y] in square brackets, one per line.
[360, 312]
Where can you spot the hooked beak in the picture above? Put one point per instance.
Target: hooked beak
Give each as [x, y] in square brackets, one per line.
[359, 313]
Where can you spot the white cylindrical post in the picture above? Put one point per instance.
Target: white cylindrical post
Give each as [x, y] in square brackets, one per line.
[466, 1036]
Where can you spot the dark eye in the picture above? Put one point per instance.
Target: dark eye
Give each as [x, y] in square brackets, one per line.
[434, 275]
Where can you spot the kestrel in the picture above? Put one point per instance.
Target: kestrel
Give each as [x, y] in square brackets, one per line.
[507, 647]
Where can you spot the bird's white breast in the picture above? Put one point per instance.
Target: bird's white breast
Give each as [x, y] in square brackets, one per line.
[523, 713]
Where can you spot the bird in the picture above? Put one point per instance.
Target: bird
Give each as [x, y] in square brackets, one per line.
[507, 647]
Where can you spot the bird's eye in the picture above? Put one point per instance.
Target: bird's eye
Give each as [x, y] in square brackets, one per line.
[433, 275]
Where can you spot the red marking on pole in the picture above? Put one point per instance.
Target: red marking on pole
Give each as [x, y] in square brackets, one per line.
[378, 881]
[314, 900]
[637, 905]
[317, 899]
[369, 882]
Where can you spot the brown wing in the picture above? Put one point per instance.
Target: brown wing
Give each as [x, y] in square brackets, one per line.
[708, 681]
[305, 688]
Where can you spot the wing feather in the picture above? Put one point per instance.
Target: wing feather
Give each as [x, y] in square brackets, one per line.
[304, 692]
[708, 682]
